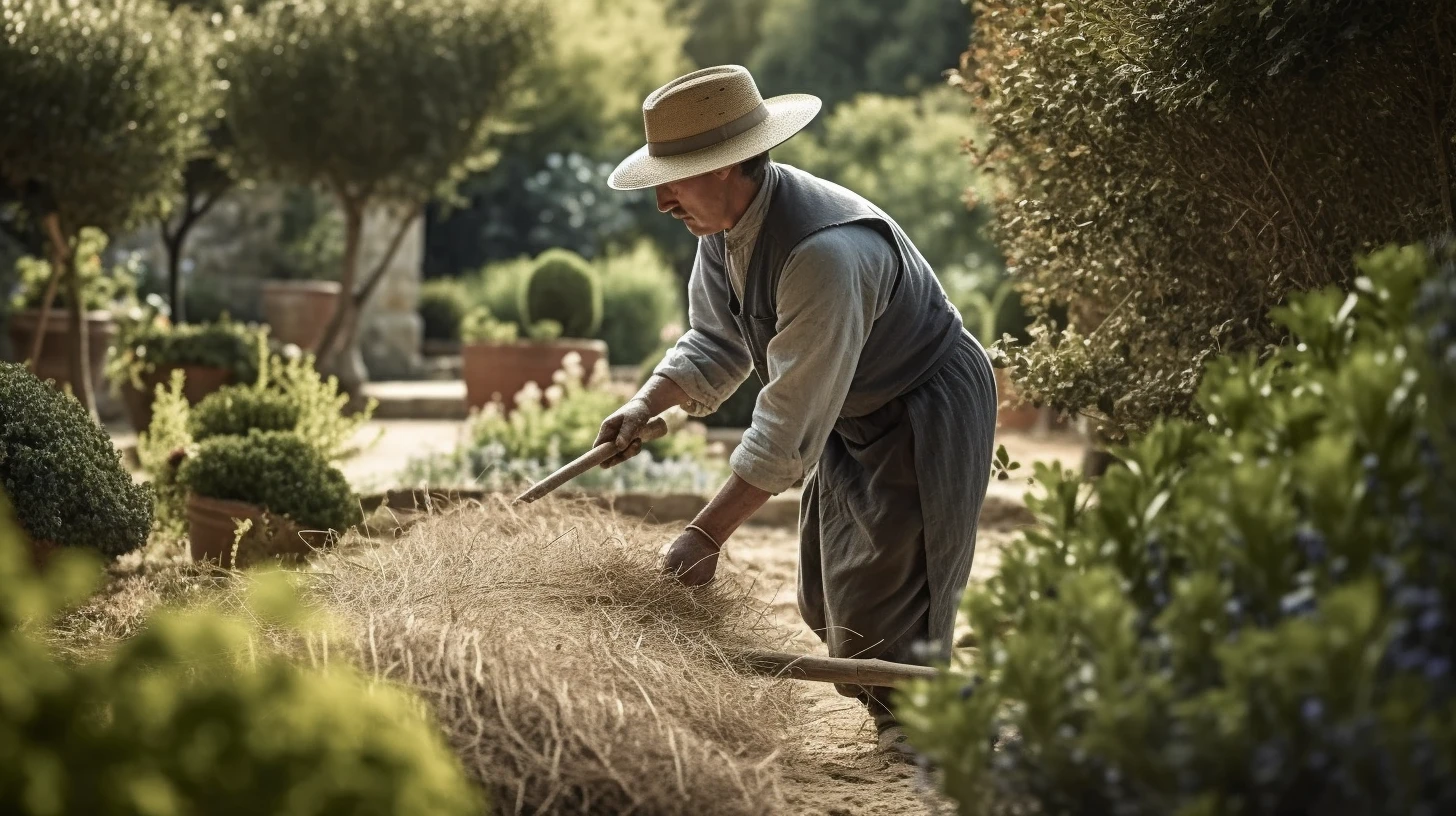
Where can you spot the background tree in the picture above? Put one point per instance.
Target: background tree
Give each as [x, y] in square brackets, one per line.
[1174, 169]
[101, 108]
[580, 114]
[721, 32]
[382, 103]
[838, 48]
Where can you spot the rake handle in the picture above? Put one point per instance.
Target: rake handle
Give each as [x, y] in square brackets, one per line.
[655, 429]
[848, 671]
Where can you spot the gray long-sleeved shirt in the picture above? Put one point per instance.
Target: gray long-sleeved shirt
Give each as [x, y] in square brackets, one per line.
[833, 287]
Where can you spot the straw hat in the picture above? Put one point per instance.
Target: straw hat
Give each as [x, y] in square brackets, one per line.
[708, 120]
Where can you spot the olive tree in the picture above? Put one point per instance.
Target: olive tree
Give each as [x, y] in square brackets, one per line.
[100, 110]
[381, 102]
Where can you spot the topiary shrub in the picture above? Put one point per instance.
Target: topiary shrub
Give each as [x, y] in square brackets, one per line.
[236, 410]
[187, 717]
[61, 471]
[1170, 170]
[443, 304]
[564, 288]
[640, 298]
[278, 471]
[1254, 613]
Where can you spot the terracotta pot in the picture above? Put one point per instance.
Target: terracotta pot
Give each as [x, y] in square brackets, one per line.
[200, 381]
[211, 528]
[1008, 418]
[300, 311]
[55, 353]
[500, 370]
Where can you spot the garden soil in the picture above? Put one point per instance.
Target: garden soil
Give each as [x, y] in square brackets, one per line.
[837, 771]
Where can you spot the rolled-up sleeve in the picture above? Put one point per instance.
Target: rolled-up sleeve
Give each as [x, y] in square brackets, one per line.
[711, 360]
[832, 288]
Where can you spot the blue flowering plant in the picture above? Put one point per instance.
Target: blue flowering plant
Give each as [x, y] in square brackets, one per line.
[1253, 613]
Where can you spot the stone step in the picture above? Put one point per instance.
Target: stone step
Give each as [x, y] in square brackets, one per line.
[418, 399]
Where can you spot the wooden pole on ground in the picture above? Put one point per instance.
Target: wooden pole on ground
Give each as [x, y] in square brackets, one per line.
[849, 671]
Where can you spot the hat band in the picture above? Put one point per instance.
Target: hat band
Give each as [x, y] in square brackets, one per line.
[708, 138]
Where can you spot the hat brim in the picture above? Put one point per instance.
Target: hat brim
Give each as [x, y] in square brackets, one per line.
[787, 115]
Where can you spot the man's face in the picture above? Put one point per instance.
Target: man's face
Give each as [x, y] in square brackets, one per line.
[700, 202]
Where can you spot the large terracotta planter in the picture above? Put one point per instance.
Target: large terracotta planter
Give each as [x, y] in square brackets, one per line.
[55, 354]
[211, 528]
[1009, 415]
[500, 370]
[200, 381]
[299, 311]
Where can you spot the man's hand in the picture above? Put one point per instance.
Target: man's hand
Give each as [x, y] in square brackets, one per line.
[692, 558]
[624, 427]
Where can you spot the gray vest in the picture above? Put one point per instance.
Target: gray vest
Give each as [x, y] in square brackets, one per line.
[908, 342]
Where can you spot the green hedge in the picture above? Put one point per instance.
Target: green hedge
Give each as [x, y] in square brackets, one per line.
[1253, 613]
[62, 472]
[564, 288]
[1168, 171]
[143, 345]
[188, 717]
[640, 297]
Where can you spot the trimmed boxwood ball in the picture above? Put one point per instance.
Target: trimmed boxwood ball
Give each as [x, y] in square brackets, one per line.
[275, 470]
[237, 410]
[443, 305]
[563, 287]
[62, 472]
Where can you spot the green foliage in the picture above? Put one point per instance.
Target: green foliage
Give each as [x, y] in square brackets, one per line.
[311, 231]
[497, 288]
[398, 99]
[104, 102]
[234, 411]
[159, 451]
[640, 298]
[899, 152]
[276, 470]
[835, 49]
[480, 326]
[562, 287]
[100, 288]
[1171, 170]
[443, 305]
[1254, 612]
[149, 340]
[63, 474]
[722, 32]
[186, 718]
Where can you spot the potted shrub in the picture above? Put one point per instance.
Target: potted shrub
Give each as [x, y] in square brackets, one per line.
[560, 303]
[210, 355]
[443, 306]
[62, 473]
[294, 498]
[100, 290]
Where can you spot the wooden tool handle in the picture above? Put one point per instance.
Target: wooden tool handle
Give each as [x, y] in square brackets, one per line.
[850, 671]
[655, 429]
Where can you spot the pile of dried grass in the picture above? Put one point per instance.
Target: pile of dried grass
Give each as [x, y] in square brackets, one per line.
[569, 674]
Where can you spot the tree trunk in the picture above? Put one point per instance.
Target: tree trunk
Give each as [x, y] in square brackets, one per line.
[60, 250]
[80, 342]
[174, 276]
[337, 350]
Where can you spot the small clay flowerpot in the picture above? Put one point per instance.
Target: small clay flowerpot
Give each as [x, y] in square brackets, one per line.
[299, 311]
[1011, 416]
[200, 381]
[212, 530]
[500, 370]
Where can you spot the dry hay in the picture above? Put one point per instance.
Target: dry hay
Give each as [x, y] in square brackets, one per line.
[568, 673]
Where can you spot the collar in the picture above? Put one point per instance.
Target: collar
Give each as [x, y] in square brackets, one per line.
[743, 234]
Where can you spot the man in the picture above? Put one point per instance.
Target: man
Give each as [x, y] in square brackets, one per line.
[873, 392]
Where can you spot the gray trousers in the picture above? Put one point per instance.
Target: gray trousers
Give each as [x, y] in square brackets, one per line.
[887, 528]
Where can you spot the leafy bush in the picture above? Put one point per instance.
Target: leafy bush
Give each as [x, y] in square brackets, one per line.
[497, 288]
[443, 305]
[150, 340]
[562, 287]
[1172, 169]
[186, 718]
[234, 411]
[1254, 613]
[276, 470]
[480, 326]
[63, 474]
[640, 298]
[100, 288]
